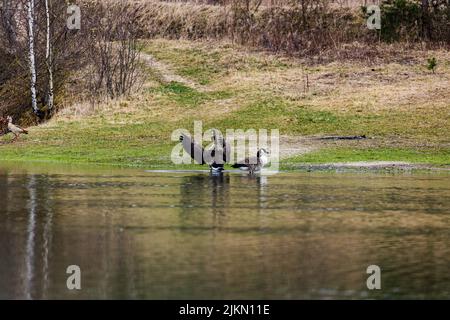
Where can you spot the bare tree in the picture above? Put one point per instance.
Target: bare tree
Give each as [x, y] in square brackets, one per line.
[48, 57]
[31, 54]
[114, 50]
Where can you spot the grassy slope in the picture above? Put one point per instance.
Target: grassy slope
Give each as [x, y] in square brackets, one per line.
[403, 107]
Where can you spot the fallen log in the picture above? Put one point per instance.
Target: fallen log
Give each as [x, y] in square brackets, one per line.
[343, 137]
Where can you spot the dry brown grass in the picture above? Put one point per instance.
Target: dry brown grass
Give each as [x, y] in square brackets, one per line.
[325, 31]
[401, 106]
[277, 28]
[405, 89]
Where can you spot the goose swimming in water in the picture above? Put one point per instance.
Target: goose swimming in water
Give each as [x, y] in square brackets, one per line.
[215, 157]
[253, 164]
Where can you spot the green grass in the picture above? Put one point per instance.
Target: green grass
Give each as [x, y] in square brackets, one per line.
[269, 113]
[193, 63]
[124, 146]
[205, 63]
[186, 96]
[335, 155]
[253, 90]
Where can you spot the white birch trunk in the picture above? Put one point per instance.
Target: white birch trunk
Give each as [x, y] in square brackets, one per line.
[48, 58]
[31, 56]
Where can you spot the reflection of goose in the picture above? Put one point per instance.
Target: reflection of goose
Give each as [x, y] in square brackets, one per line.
[202, 192]
[215, 157]
[253, 164]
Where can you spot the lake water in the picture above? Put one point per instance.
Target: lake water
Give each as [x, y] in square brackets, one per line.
[136, 234]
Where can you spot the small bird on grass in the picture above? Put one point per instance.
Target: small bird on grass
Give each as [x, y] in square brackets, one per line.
[16, 130]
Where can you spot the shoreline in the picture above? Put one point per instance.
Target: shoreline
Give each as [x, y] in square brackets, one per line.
[345, 116]
[370, 166]
[338, 167]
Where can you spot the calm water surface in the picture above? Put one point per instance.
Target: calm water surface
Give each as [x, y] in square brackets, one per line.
[136, 234]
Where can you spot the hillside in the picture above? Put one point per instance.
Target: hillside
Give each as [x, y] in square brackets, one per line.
[401, 107]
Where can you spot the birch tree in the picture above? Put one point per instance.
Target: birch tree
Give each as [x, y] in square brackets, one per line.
[48, 57]
[31, 54]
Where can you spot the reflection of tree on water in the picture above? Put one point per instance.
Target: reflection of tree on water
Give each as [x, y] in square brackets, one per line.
[47, 234]
[39, 235]
[28, 226]
[36, 246]
[31, 226]
[268, 237]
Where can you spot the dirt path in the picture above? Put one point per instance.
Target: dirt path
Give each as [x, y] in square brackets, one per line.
[299, 145]
[291, 146]
[167, 74]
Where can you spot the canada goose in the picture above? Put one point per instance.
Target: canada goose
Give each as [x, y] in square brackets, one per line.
[16, 130]
[253, 164]
[215, 157]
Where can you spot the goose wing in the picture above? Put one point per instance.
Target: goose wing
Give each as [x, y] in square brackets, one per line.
[193, 149]
[247, 162]
[251, 161]
[223, 153]
[16, 129]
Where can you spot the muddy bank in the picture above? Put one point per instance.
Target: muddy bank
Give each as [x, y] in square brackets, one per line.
[367, 166]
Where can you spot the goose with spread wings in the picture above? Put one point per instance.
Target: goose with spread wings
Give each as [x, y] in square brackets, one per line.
[215, 157]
